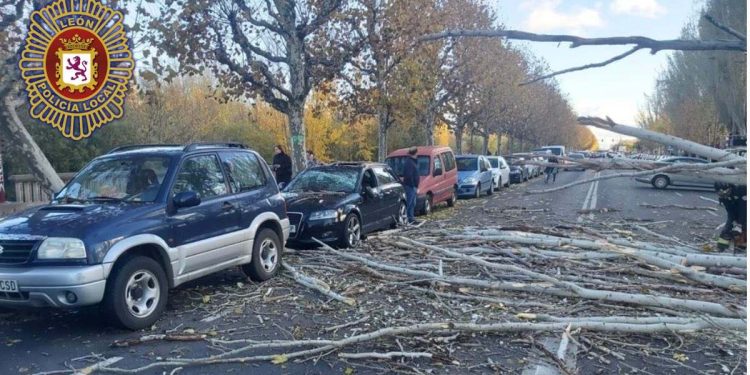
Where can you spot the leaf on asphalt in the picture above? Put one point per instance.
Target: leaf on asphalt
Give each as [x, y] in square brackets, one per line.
[206, 299]
[279, 359]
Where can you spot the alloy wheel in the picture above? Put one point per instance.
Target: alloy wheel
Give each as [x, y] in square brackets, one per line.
[142, 293]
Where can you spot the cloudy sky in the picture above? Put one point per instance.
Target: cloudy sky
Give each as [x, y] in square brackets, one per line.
[617, 90]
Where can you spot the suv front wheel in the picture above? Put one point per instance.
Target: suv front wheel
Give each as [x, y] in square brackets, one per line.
[266, 257]
[136, 293]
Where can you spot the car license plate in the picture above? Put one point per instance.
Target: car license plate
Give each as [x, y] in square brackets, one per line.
[8, 286]
[292, 229]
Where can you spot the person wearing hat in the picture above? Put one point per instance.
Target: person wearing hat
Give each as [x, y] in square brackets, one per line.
[411, 182]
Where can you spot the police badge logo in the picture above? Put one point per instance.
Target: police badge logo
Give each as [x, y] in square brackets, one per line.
[76, 64]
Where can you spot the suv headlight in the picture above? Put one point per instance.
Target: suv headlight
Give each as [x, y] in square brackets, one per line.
[61, 248]
[325, 214]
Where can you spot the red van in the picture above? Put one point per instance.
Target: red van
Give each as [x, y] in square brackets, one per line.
[437, 168]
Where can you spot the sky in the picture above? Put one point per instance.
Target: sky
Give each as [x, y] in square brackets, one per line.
[617, 90]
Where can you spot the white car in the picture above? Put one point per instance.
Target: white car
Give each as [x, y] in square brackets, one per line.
[500, 172]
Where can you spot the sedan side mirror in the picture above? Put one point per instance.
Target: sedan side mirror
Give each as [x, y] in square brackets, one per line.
[369, 192]
[186, 199]
[437, 172]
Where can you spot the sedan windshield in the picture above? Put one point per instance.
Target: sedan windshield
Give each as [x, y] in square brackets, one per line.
[134, 179]
[467, 164]
[325, 179]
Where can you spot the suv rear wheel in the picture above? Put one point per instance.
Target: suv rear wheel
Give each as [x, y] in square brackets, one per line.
[136, 292]
[266, 257]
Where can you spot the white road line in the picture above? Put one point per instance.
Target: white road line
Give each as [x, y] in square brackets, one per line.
[593, 195]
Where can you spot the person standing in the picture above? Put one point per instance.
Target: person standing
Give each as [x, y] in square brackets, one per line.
[282, 165]
[411, 183]
[310, 160]
[551, 171]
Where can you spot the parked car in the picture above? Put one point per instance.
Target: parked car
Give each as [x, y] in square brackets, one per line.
[575, 156]
[340, 203]
[555, 150]
[500, 171]
[664, 180]
[529, 169]
[439, 177]
[518, 171]
[140, 220]
[474, 176]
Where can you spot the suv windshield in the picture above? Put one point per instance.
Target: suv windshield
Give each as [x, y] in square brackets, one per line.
[397, 164]
[134, 178]
[325, 179]
[467, 164]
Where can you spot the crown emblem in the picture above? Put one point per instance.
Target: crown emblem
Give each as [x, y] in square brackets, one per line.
[76, 43]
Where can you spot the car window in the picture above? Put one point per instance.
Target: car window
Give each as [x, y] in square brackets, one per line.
[201, 174]
[369, 180]
[384, 177]
[437, 163]
[449, 161]
[467, 164]
[243, 171]
[397, 164]
[495, 163]
[502, 162]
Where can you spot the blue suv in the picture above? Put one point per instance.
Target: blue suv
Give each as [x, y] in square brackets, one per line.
[140, 220]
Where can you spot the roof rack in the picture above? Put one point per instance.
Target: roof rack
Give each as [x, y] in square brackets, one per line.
[195, 146]
[135, 147]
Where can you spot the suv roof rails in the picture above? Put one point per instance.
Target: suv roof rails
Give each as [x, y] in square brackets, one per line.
[196, 145]
[137, 146]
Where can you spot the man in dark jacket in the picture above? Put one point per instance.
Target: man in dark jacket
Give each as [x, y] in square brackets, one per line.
[411, 182]
[282, 164]
[734, 200]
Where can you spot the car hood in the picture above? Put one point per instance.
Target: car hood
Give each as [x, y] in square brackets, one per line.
[462, 175]
[315, 201]
[70, 220]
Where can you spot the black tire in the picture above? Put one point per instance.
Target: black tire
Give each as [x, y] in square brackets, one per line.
[427, 206]
[347, 239]
[507, 184]
[454, 197]
[492, 188]
[266, 258]
[136, 293]
[400, 218]
[479, 190]
[660, 182]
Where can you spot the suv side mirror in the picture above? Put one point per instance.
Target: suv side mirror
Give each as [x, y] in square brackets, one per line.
[186, 199]
[437, 172]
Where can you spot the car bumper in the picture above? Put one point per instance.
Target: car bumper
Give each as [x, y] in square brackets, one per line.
[285, 228]
[326, 230]
[515, 177]
[48, 286]
[467, 190]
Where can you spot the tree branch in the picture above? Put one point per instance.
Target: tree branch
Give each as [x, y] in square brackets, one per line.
[725, 29]
[584, 67]
[576, 41]
[327, 9]
[248, 48]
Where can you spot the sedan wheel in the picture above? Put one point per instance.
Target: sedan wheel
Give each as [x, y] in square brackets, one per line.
[427, 207]
[401, 217]
[660, 182]
[352, 231]
[479, 191]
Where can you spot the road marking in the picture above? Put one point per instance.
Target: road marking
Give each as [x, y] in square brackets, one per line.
[590, 202]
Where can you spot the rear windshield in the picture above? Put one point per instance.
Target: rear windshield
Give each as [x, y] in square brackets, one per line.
[467, 164]
[397, 164]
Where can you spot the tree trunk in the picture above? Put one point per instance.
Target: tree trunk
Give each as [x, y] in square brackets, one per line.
[32, 154]
[510, 144]
[297, 130]
[2, 179]
[499, 139]
[382, 135]
[471, 141]
[459, 134]
[485, 143]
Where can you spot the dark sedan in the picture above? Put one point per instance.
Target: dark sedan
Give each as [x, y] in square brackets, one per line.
[340, 203]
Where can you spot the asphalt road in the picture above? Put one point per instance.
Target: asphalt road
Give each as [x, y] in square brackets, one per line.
[44, 340]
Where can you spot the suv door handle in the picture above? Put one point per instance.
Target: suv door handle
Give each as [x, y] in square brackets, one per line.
[227, 206]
